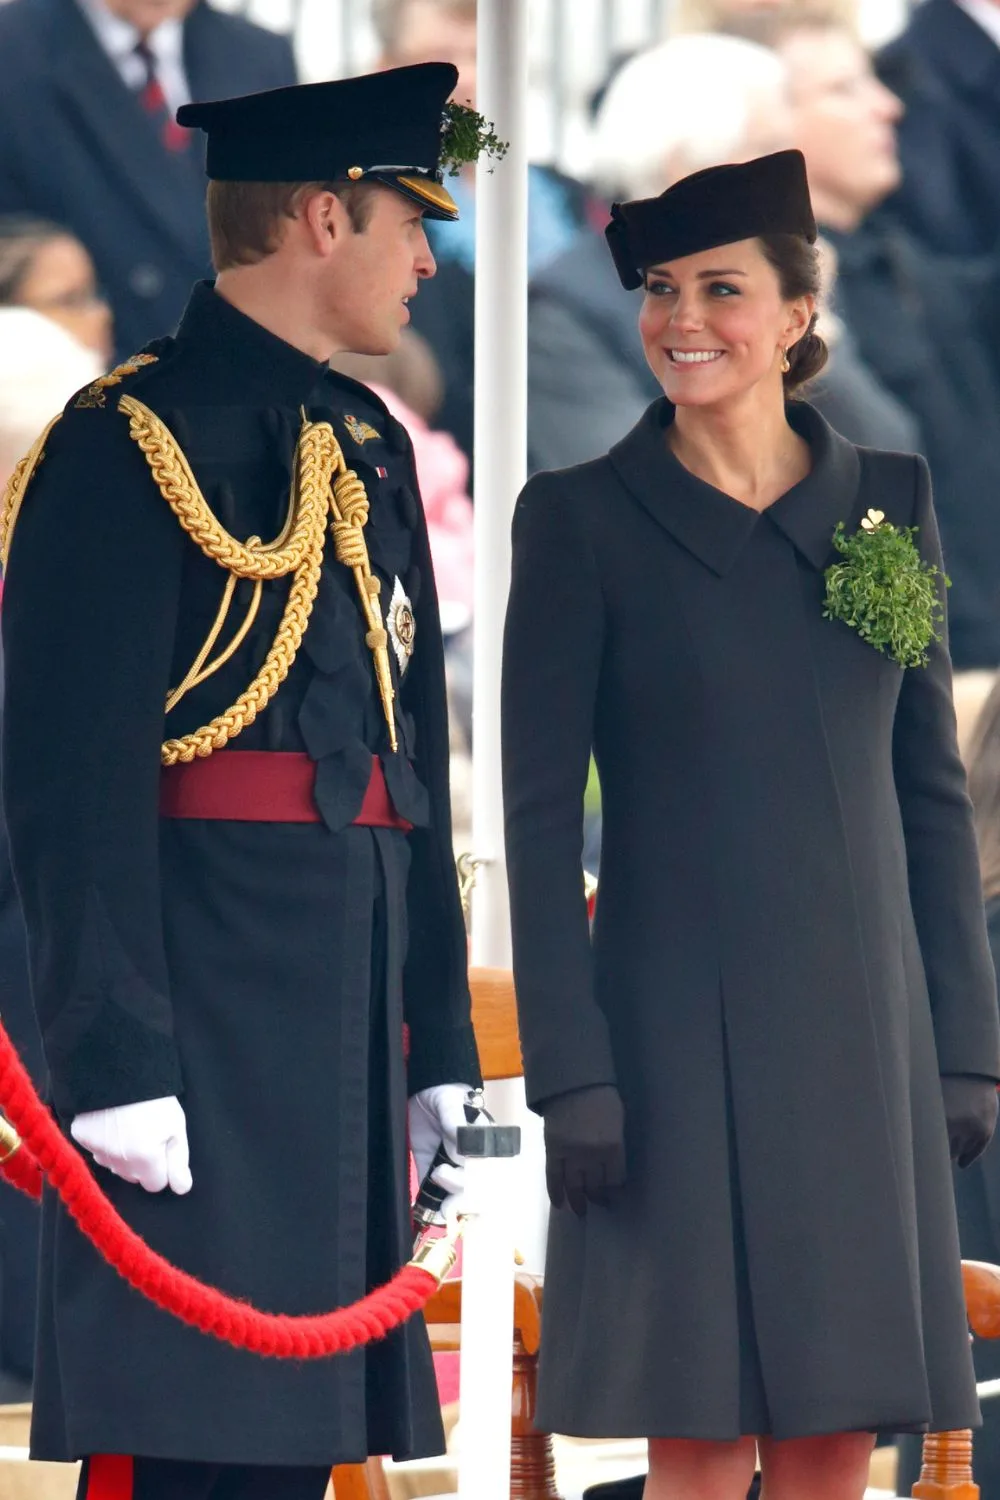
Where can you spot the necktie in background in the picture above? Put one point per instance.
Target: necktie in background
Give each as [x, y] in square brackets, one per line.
[154, 102]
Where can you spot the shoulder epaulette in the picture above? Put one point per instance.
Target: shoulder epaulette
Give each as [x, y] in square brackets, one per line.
[94, 395]
[16, 488]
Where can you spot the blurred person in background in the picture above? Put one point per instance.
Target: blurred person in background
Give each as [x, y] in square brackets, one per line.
[726, 101]
[977, 1190]
[44, 268]
[41, 365]
[88, 89]
[715, 15]
[417, 31]
[921, 321]
[946, 69]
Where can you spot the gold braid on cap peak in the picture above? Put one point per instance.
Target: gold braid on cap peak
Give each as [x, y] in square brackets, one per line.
[298, 549]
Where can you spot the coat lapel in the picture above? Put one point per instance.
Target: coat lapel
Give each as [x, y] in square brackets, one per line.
[125, 138]
[709, 524]
[715, 527]
[809, 512]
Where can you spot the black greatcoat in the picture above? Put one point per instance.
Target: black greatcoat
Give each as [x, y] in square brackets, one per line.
[254, 968]
[788, 947]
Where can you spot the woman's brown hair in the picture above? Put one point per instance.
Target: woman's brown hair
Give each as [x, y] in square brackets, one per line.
[983, 760]
[799, 275]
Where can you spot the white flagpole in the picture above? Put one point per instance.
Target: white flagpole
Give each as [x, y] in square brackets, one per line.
[500, 433]
[501, 462]
[500, 455]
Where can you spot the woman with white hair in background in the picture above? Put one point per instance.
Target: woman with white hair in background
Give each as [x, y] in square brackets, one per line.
[41, 365]
[694, 101]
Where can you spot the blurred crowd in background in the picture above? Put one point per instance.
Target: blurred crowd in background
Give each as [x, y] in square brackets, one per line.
[102, 234]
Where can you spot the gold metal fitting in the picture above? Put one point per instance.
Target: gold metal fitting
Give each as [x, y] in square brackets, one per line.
[355, 172]
[438, 1257]
[10, 1141]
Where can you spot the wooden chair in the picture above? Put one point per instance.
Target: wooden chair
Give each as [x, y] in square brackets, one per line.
[532, 1472]
[946, 1472]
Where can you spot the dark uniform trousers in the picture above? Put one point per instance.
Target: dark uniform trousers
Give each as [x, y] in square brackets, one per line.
[112, 1477]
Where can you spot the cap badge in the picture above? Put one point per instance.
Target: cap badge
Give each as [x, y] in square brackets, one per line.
[402, 626]
[360, 431]
[355, 172]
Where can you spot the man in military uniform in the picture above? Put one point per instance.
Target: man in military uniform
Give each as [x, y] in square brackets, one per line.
[226, 777]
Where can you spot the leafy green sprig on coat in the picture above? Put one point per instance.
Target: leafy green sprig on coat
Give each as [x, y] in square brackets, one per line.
[885, 590]
[465, 135]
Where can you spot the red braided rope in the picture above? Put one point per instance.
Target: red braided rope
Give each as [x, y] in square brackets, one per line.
[46, 1152]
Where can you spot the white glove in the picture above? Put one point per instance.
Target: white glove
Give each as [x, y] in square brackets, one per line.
[145, 1143]
[435, 1116]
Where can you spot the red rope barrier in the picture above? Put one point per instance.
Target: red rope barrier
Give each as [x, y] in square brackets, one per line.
[45, 1152]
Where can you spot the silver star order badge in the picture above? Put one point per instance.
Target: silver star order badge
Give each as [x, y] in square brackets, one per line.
[402, 626]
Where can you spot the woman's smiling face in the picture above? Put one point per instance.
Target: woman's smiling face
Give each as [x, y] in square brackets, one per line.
[713, 325]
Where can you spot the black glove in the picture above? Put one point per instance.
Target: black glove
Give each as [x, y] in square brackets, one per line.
[970, 1109]
[584, 1146]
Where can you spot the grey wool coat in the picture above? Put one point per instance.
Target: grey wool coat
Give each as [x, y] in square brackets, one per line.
[789, 948]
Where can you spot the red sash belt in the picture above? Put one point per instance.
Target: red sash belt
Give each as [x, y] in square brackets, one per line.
[264, 786]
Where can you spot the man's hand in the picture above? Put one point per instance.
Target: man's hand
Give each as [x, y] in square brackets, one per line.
[970, 1109]
[435, 1116]
[143, 1143]
[584, 1147]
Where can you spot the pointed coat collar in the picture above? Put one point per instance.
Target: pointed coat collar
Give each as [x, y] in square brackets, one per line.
[715, 527]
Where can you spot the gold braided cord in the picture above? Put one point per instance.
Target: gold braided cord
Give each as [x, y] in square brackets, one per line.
[349, 504]
[298, 549]
[178, 486]
[314, 463]
[234, 645]
[17, 487]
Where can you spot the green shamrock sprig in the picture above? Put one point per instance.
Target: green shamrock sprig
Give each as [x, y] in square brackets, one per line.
[885, 590]
[465, 135]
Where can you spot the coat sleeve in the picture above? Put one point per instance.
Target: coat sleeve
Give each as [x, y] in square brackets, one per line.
[551, 664]
[945, 889]
[89, 611]
[436, 1002]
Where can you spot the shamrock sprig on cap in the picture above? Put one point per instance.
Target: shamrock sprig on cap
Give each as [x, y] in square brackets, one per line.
[885, 590]
[465, 136]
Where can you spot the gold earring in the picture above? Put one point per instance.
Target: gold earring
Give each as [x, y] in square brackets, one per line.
[785, 366]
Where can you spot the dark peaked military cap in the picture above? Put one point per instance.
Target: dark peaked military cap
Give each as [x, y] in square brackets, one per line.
[717, 206]
[382, 127]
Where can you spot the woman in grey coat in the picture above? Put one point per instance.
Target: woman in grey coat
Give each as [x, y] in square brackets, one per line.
[754, 1072]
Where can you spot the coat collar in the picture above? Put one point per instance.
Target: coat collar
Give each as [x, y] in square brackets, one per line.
[715, 527]
[254, 359]
[254, 367]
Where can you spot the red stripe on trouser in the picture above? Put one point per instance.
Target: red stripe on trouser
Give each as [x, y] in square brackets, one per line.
[109, 1477]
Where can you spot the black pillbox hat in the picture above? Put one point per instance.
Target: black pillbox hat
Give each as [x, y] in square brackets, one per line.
[381, 127]
[718, 206]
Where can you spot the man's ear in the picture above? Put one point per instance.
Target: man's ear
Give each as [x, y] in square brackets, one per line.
[324, 219]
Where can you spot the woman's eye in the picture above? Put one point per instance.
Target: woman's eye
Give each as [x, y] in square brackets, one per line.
[724, 289]
[658, 288]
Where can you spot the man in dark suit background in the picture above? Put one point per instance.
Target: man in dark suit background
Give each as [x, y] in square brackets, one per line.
[946, 69]
[88, 89]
